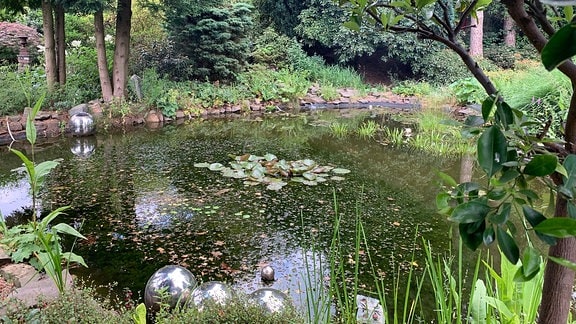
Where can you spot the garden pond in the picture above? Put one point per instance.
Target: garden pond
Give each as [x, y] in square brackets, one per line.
[143, 202]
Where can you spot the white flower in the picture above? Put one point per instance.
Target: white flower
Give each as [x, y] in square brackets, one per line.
[40, 48]
[108, 38]
[76, 43]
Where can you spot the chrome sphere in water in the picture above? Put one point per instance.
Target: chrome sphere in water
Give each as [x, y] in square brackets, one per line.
[171, 284]
[81, 124]
[271, 299]
[215, 291]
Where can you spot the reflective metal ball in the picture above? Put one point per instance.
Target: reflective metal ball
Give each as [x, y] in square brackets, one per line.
[267, 273]
[81, 124]
[214, 291]
[171, 284]
[271, 299]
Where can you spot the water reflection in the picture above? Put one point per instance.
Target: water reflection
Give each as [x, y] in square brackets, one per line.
[14, 196]
[83, 147]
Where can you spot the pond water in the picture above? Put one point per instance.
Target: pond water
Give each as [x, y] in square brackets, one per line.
[142, 204]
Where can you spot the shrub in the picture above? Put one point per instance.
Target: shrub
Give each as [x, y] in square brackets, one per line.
[441, 67]
[468, 91]
[20, 89]
[213, 39]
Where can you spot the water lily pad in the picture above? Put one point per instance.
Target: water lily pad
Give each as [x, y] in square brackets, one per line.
[340, 171]
[297, 179]
[276, 185]
[270, 157]
[309, 176]
[337, 178]
[309, 183]
[201, 165]
[216, 167]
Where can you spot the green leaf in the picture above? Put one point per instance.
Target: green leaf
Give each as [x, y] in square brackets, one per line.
[202, 165]
[530, 265]
[216, 167]
[492, 150]
[504, 114]
[30, 127]
[340, 171]
[488, 236]
[67, 229]
[139, 315]
[509, 175]
[541, 165]
[533, 216]
[447, 179]
[472, 234]
[74, 258]
[507, 245]
[470, 212]
[478, 311]
[560, 227]
[487, 106]
[560, 47]
[270, 157]
[563, 262]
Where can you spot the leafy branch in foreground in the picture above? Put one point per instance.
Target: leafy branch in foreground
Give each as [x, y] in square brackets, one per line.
[39, 241]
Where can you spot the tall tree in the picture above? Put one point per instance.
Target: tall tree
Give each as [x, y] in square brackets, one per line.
[50, 66]
[509, 31]
[122, 48]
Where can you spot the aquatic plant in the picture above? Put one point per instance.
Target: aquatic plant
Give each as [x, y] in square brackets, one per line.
[268, 169]
[39, 240]
[339, 130]
[368, 129]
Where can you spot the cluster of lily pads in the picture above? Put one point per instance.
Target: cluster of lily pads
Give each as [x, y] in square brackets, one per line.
[275, 173]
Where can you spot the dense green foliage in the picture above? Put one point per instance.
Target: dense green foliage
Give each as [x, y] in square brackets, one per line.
[213, 40]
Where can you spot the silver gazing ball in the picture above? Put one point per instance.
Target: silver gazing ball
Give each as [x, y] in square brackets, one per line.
[215, 291]
[81, 124]
[267, 273]
[171, 284]
[271, 299]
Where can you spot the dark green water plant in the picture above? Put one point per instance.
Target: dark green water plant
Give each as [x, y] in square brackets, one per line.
[39, 241]
[274, 172]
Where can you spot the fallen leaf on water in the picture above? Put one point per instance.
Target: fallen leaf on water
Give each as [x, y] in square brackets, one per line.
[161, 250]
[396, 224]
[216, 254]
[219, 243]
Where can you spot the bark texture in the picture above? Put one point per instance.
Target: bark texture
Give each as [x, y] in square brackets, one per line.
[60, 44]
[477, 35]
[122, 50]
[103, 73]
[509, 32]
[49, 45]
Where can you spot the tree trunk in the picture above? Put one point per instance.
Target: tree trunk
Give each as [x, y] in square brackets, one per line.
[60, 44]
[510, 32]
[103, 73]
[122, 49]
[558, 280]
[49, 49]
[477, 35]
